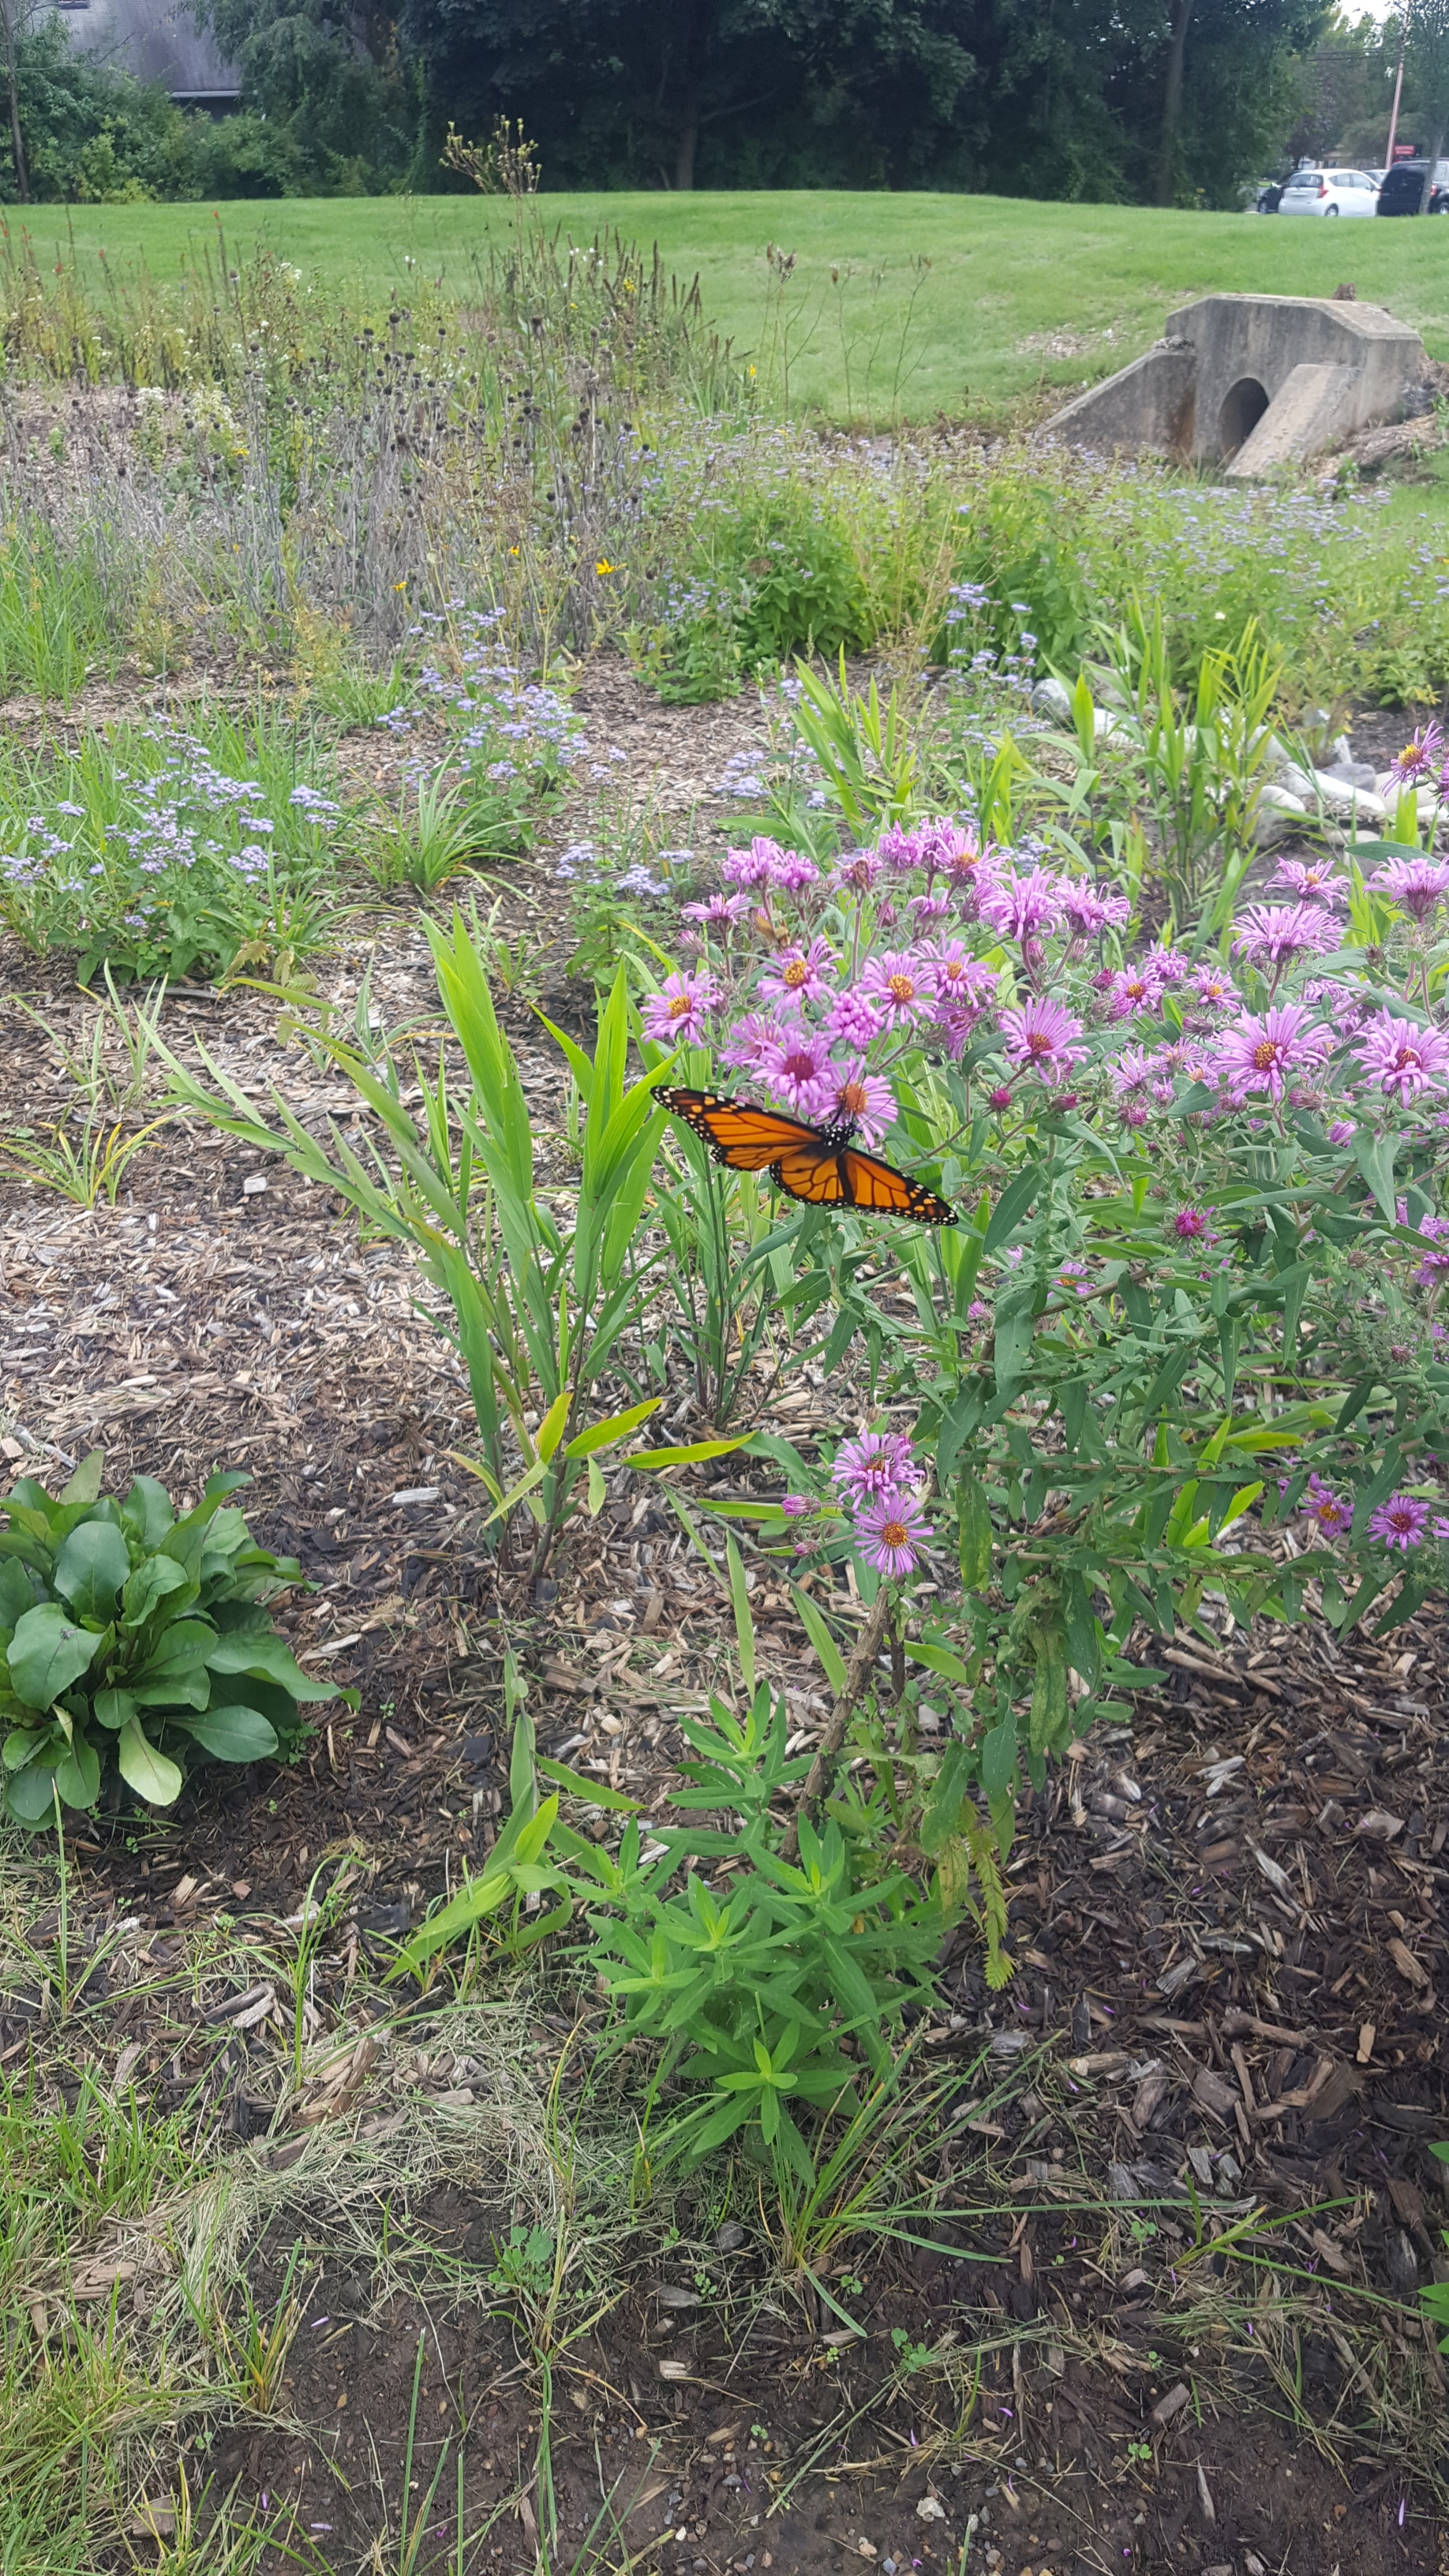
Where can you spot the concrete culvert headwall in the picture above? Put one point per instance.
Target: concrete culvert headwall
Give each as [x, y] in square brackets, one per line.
[1239, 413]
[1252, 382]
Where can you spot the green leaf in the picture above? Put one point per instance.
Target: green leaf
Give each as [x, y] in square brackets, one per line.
[47, 1653]
[154, 1581]
[744, 1624]
[1374, 1156]
[151, 1774]
[78, 1776]
[174, 1674]
[813, 1620]
[147, 1510]
[682, 1455]
[17, 1592]
[266, 1657]
[1012, 1205]
[85, 1484]
[30, 1794]
[91, 1568]
[550, 1430]
[597, 1792]
[617, 1427]
[234, 1734]
[112, 1708]
[937, 1659]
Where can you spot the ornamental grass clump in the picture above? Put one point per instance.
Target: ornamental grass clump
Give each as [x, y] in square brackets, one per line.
[135, 1644]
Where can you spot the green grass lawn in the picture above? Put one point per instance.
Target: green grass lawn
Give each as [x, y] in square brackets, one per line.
[1016, 294]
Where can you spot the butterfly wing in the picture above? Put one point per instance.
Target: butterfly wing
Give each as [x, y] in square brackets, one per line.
[878, 1189]
[738, 1133]
[812, 1172]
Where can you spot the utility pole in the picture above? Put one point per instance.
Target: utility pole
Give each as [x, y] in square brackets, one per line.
[1398, 90]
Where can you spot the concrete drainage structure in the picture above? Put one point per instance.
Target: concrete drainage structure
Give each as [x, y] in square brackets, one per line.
[1251, 382]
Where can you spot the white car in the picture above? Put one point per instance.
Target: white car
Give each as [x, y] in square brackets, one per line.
[1330, 192]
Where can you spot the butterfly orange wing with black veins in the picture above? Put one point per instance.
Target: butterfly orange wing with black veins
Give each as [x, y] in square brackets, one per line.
[738, 1132]
[819, 1167]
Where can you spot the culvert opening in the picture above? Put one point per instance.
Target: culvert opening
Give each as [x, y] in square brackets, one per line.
[1243, 407]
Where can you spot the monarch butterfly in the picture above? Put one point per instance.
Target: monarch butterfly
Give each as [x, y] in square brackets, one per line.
[816, 1164]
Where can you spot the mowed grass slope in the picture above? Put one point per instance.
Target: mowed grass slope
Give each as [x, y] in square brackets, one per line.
[1017, 295]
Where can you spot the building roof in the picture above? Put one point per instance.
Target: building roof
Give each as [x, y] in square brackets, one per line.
[156, 40]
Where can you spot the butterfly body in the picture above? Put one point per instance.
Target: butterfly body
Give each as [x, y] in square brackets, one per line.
[817, 1165]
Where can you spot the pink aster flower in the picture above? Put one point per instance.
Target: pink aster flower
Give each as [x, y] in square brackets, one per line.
[798, 1071]
[1270, 934]
[861, 1100]
[878, 1462]
[678, 1013]
[1415, 884]
[750, 1041]
[1402, 1058]
[958, 979]
[1400, 1522]
[1167, 965]
[899, 849]
[900, 986]
[1135, 990]
[1418, 756]
[1311, 880]
[1192, 1225]
[1260, 1052]
[1023, 907]
[799, 975]
[796, 1506]
[892, 1533]
[754, 866]
[793, 872]
[1085, 912]
[944, 845]
[1333, 1514]
[723, 908]
[926, 908]
[1342, 1132]
[1213, 991]
[856, 873]
[1043, 1036]
[1133, 1072]
[853, 1018]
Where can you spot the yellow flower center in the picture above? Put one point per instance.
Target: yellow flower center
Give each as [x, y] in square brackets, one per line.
[1265, 1055]
[796, 974]
[895, 1534]
[902, 988]
[852, 1099]
[680, 1006]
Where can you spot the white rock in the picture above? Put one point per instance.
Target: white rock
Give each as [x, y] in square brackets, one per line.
[931, 2509]
[1051, 698]
[1342, 798]
[253, 1186]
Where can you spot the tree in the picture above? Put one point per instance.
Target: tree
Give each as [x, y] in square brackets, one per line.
[327, 73]
[1426, 50]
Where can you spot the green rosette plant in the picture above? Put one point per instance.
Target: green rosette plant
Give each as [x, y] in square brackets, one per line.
[135, 1641]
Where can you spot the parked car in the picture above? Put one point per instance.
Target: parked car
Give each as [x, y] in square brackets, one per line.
[1267, 198]
[1329, 192]
[1403, 189]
